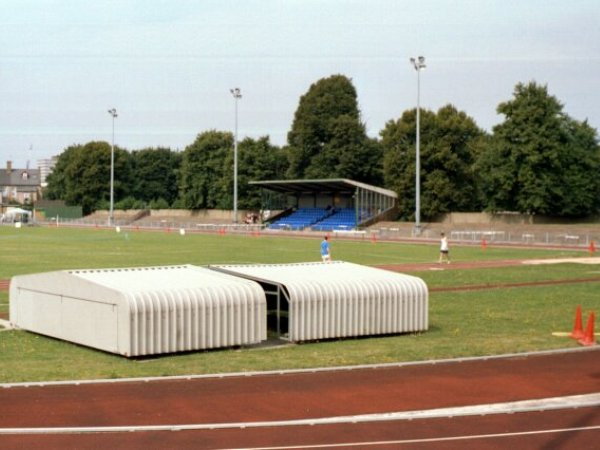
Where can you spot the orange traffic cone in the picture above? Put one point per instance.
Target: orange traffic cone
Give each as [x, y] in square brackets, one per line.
[483, 244]
[373, 239]
[592, 247]
[577, 332]
[588, 338]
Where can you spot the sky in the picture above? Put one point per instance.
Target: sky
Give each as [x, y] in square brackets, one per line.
[167, 66]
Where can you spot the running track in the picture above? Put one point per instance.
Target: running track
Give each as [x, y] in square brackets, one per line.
[323, 409]
[180, 412]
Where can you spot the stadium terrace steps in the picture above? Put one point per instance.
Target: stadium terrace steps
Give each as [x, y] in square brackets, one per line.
[301, 218]
[319, 219]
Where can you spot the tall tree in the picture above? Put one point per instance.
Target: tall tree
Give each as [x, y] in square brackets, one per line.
[449, 143]
[541, 161]
[82, 175]
[155, 174]
[203, 166]
[327, 139]
[57, 181]
[258, 160]
[579, 181]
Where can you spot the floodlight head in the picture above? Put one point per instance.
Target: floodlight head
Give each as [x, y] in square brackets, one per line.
[236, 92]
[113, 112]
[418, 63]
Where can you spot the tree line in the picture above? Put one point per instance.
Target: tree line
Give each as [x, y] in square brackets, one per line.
[537, 161]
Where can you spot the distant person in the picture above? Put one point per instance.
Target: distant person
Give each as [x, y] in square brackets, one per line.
[325, 250]
[444, 249]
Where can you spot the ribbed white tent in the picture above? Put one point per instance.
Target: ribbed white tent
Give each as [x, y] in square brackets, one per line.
[141, 311]
[339, 299]
[13, 214]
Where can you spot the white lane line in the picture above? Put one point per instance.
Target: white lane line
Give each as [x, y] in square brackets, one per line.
[429, 440]
[432, 362]
[574, 401]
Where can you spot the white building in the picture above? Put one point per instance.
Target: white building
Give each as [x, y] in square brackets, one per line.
[45, 167]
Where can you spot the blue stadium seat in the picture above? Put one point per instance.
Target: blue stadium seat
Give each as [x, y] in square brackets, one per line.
[341, 219]
[300, 219]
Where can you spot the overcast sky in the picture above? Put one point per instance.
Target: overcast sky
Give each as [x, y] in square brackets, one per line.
[167, 65]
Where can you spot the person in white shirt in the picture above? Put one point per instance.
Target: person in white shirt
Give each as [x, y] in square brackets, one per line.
[444, 249]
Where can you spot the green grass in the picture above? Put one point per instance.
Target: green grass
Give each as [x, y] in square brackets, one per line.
[509, 275]
[462, 323]
[34, 249]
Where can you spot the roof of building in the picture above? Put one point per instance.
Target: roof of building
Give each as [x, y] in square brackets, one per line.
[144, 280]
[338, 278]
[20, 177]
[335, 185]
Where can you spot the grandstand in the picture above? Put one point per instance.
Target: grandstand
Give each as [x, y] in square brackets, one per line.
[326, 205]
[295, 205]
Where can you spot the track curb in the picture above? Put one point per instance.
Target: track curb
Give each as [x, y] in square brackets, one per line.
[553, 403]
[297, 371]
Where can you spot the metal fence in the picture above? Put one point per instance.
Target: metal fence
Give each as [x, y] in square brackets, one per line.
[166, 225]
[572, 238]
[566, 236]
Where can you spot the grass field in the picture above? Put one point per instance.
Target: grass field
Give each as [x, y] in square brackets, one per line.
[31, 250]
[462, 323]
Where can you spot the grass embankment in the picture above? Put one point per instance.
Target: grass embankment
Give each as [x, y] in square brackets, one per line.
[463, 323]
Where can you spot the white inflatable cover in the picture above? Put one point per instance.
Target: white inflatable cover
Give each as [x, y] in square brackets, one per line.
[338, 299]
[141, 311]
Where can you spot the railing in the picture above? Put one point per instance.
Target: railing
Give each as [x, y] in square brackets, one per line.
[163, 225]
[521, 237]
[518, 236]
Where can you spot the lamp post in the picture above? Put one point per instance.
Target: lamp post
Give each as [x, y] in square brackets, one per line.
[111, 218]
[419, 64]
[237, 94]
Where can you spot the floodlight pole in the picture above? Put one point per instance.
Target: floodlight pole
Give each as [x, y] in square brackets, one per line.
[419, 64]
[111, 218]
[237, 94]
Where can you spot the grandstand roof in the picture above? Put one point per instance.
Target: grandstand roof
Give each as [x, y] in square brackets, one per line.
[337, 185]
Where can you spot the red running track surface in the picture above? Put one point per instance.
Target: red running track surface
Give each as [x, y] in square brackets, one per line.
[306, 395]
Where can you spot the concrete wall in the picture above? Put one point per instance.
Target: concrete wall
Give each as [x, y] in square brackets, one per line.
[508, 218]
[206, 215]
[201, 214]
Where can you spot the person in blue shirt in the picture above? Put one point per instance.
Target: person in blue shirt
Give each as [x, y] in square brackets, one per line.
[325, 250]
